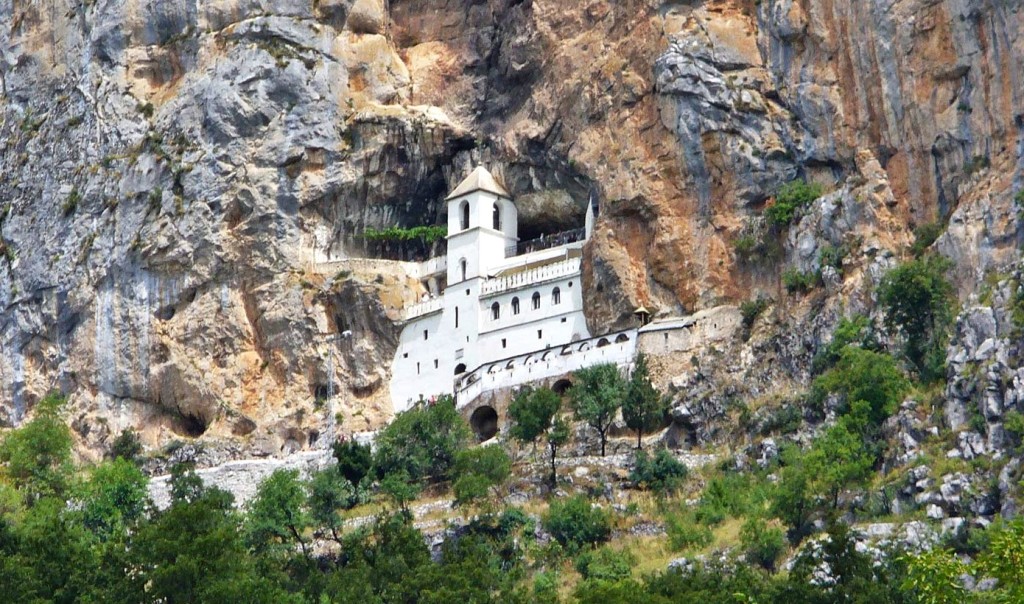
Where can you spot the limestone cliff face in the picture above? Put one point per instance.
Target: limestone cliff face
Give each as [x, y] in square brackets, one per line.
[175, 173]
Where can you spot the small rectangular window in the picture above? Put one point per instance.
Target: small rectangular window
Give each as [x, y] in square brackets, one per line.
[540, 334]
[417, 368]
[405, 355]
[435, 363]
[563, 319]
[426, 334]
[456, 317]
[504, 343]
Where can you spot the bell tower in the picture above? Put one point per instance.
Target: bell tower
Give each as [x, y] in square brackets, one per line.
[482, 225]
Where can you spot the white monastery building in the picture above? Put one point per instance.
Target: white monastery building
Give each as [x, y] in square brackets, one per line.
[502, 300]
[503, 313]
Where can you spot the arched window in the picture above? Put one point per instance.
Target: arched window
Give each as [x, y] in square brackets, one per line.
[497, 217]
[495, 311]
[515, 306]
[464, 212]
[462, 268]
[556, 296]
[536, 300]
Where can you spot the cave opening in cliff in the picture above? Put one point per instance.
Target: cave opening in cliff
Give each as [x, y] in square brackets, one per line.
[484, 423]
[561, 387]
[191, 426]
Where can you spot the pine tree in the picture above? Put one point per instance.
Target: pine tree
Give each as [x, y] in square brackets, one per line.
[644, 407]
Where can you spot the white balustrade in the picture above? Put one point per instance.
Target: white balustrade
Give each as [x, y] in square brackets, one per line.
[531, 277]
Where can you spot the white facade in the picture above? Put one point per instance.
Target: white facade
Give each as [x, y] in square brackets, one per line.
[497, 305]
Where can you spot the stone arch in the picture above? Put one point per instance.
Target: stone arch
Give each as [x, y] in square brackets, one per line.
[561, 386]
[621, 338]
[460, 369]
[603, 342]
[484, 422]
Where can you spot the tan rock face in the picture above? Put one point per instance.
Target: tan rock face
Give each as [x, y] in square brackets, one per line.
[174, 171]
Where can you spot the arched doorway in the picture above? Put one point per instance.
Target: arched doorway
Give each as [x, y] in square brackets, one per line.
[460, 369]
[484, 423]
[561, 387]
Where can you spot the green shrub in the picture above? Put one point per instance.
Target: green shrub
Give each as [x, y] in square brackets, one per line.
[661, 473]
[790, 198]
[750, 310]
[855, 330]
[830, 255]
[425, 234]
[797, 281]
[864, 375]
[71, 203]
[605, 564]
[924, 236]
[355, 461]
[762, 543]
[126, 446]
[684, 532]
[1013, 423]
[574, 523]
[422, 442]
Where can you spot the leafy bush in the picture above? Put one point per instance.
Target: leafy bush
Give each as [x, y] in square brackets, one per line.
[750, 310]
[354, 460]
[684, 532]
[850, 331]
[605, 564]
[38, 454]
[422, 442]
[791, 197]
[830, 255]
[574, 523]
[924, 236]
[864, 375]
[797, 281]
[762, 543]
[1013, 423]
[661, 473]
[126, 446]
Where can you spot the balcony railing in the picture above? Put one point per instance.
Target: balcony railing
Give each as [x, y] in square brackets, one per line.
[424, 308]
[545, 242]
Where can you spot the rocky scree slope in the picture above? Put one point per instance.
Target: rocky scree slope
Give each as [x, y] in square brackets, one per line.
[173, 170]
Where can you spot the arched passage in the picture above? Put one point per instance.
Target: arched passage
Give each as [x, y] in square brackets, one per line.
[621, 338]
[561, 386]
[484, 423]
[460, 369]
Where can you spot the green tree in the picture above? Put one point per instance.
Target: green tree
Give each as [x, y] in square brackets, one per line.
[933, 577]
[557, 436]
[422, 441]
[918, 304]
[863, 375]
[597, 396]
[113, 498]
[355, 461]
[643, 408]
[1003, 561]
[328, 492]
[479, 473]
[37, 456]
[531, 412]
[276, 517]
